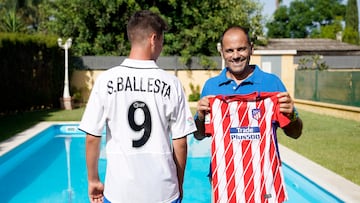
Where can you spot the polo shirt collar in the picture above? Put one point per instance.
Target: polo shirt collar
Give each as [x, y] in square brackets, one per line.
[139, 63]
[256, 77]
[223, 79]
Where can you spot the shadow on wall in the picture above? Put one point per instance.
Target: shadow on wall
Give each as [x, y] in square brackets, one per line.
[81, 82]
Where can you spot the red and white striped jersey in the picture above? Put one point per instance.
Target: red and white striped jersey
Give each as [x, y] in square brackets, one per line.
[245, 162]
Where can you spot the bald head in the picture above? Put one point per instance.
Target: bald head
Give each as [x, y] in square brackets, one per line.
[234, 29]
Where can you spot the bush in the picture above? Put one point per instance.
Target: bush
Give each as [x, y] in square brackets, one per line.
[195, 93]
[32, 72]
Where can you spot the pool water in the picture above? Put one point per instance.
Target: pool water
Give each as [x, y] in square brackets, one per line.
[50, 167]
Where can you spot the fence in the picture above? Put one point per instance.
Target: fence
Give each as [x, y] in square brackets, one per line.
[336, 87]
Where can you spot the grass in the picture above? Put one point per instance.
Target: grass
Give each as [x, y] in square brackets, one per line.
[331, 142]
[13, 124]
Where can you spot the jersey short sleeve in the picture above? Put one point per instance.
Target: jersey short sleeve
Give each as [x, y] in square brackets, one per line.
[93, 119]
[182, 123]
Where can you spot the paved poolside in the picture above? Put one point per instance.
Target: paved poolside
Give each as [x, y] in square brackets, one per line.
[332, 182]
[335, 184]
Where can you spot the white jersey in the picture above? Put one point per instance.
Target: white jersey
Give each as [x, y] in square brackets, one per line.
[143, 108]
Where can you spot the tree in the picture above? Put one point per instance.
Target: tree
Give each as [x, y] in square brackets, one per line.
[11, 22]
[196, 28]
[277, 3]
[99, 27]
[29, 12]
[278, 28]
[329, 31]
[351, 33]
[305, 18]
[19, 15]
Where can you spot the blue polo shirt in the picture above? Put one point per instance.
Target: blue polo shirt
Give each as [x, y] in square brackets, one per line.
[259, 81]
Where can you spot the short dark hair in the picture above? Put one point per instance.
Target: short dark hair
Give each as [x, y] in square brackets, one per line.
[236, 27]
[142, 23]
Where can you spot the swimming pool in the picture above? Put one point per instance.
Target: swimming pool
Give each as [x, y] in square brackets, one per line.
[50, 167]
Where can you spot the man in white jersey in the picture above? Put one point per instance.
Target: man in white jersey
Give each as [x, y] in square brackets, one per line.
[239, 78]
[147, 119]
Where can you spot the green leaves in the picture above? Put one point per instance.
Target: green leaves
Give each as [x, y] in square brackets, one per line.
[304, 18]
[11, 22]
[98, 27]
[351, 32]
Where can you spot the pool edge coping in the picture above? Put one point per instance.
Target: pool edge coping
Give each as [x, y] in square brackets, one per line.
[330, 181]
[12, 142]
[337, 185]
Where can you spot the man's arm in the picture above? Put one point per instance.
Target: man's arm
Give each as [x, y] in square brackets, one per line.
[95, 187]
[199, 134]
[180, 155]
[294, 128]
[202, 108]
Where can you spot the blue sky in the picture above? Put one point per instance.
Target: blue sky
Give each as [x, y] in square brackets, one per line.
[269, 6]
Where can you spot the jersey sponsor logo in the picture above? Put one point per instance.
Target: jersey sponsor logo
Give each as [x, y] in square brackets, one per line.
[245, 133]
[190, 121]
[267, 196]
[139, 84]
